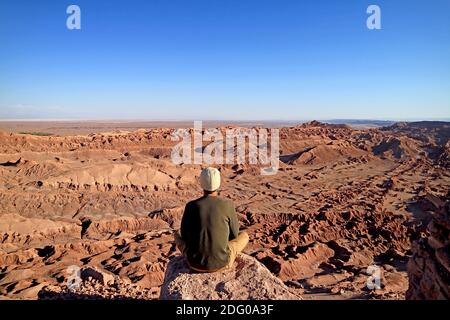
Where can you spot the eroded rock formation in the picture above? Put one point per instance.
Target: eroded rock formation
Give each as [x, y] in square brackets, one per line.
[343, 199]
[248, 279]
[429, 266]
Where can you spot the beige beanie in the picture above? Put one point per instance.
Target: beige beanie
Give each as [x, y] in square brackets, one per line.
[210, 179]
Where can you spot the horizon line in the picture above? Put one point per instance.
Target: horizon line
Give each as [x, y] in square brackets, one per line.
[220, 120]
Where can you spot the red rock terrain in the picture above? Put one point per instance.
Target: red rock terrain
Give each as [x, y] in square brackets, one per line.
[429, 266]
[342, 200]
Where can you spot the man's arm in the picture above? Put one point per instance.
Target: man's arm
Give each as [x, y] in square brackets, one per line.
[185, 222]
[233, 223]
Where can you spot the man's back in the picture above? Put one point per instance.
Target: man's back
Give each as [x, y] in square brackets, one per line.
[207, 225]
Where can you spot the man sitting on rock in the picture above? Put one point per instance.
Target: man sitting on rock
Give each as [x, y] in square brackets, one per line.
[210, 238]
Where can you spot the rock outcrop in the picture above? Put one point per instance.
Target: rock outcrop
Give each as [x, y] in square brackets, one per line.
[96, 284]
[248, 279]
[429, 267]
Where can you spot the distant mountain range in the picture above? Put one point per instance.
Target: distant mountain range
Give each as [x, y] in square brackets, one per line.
[376, 123]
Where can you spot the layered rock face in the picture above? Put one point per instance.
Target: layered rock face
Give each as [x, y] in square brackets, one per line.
[248, 279]
[429, 267]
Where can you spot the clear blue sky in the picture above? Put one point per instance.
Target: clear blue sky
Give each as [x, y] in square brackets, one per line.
[225, 59]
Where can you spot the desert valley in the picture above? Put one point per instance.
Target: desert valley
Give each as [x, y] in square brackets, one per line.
[343, 199]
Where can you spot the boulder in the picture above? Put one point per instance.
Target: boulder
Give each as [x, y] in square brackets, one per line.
[247, 280]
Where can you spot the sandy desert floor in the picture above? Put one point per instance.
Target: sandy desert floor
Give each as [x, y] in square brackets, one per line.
[343, 199]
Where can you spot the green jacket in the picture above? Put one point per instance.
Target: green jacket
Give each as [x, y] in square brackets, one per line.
[207, 225]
